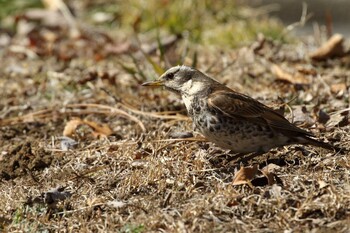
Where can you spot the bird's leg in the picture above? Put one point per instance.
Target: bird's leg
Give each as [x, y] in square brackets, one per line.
[236, 156]
[243, 158]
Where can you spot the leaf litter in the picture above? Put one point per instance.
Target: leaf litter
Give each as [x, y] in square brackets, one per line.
[146, 172]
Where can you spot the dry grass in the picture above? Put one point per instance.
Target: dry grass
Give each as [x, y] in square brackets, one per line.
[139, 179]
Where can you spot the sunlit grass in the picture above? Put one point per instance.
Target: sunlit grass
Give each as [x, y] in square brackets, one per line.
[209, 22]
[8, 7]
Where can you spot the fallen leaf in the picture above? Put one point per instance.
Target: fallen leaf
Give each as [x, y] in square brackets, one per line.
[332, 48]
[282, 75]
[245, 175]
[71, 126]
[269, 172]
[338, 88]
[99, 130]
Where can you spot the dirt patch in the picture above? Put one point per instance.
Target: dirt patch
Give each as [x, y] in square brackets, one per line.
[25, 157]
[141, 175]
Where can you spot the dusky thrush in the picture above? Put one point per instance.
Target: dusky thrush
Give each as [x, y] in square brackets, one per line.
[230, 119]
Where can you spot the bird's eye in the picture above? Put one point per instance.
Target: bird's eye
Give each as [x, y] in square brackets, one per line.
[169, 76]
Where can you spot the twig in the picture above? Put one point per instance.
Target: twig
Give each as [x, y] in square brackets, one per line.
[192, 139]
[303, 19]
[160, 115]
[113, 110]
[48, 113]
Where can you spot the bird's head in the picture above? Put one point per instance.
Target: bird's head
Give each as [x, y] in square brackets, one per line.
[181, 80]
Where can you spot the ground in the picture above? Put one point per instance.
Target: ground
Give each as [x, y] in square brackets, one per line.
[84, 147]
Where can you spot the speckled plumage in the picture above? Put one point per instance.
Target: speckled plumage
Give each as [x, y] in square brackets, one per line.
[229, 119]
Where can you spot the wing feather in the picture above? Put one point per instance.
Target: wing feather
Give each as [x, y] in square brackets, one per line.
[241, 106]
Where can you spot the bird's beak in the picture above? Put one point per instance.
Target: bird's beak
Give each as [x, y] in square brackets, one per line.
[156, 83]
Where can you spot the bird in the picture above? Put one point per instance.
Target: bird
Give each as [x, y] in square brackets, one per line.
[230, 119]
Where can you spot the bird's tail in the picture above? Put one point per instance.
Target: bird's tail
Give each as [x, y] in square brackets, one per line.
[314, 142]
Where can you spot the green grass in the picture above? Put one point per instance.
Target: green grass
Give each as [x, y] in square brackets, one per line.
[10, 7]
[130, 228]
[209, 22]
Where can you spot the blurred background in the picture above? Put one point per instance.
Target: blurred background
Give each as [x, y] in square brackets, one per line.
[334, 13]
[73, 68]
[229, 23]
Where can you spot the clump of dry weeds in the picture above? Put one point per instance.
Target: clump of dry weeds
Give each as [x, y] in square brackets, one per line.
[137, 177]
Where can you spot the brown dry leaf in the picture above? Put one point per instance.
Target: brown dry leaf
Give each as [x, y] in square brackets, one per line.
[332, 48]
[71, 126]
[282, 75]
[99, 130]
[269, 172]
[338, 88]
[245, 175]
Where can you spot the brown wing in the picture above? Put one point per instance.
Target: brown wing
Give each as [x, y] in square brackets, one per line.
[242, 106]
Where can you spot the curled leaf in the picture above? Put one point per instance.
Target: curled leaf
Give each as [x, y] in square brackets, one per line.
[71, 126]
[332, 48]
[269, 172]
[338, 88]
[99, 130]
[282, 75]
[245, 175]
